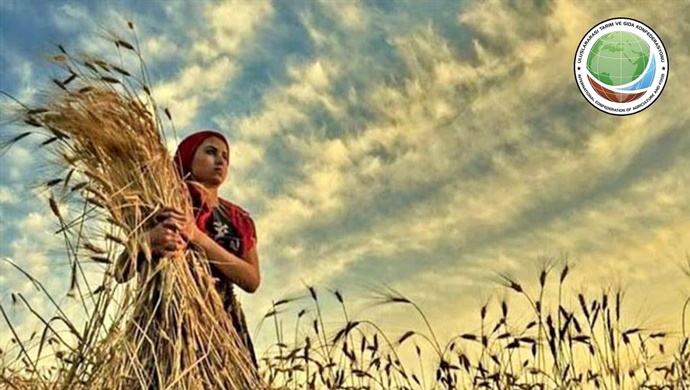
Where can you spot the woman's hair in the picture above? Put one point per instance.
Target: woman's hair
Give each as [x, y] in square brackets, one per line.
[184, 156]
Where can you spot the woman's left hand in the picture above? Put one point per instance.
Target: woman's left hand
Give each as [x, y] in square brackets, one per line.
[183, 223]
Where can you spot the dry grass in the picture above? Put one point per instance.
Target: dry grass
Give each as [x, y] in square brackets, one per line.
[580, 346]
[101, 129]
[557, 346]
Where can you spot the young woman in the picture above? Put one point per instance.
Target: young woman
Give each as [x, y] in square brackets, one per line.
[221, 229]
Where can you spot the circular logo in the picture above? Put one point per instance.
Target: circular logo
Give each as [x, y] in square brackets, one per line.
[621, 66]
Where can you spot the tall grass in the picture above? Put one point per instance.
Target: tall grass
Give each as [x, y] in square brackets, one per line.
[556, 346]
[582, 345]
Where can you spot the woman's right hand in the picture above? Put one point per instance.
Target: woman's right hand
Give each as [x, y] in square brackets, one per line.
[165, 239]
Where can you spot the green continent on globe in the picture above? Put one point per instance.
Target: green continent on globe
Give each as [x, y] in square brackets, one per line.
[618, 58]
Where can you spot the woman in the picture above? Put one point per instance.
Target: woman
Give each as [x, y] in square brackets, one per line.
[223, 230]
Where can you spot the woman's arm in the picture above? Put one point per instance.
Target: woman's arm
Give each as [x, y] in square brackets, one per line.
[242, 272]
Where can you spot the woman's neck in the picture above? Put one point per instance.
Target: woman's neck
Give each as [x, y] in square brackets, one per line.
[212, 196]
[208, 194]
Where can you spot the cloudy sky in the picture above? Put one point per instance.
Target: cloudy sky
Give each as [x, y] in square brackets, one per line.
[429, 146]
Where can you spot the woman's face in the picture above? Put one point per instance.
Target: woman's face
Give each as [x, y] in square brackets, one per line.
[210, 163]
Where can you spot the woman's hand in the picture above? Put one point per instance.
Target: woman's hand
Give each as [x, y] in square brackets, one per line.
[182, 223]
[165, 239]
[171, 233]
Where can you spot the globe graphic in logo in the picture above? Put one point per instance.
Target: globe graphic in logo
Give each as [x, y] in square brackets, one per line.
[621, 67]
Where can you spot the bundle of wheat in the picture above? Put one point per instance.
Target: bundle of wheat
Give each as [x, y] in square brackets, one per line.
[171, 331]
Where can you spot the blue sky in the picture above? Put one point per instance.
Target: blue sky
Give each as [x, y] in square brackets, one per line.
[427, 145]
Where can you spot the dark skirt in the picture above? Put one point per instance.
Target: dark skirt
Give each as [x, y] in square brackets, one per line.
[234, 309]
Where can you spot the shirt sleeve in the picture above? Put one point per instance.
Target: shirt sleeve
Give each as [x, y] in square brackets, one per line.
[248, 234]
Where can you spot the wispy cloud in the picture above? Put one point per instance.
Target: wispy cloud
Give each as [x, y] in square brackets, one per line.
[7, 195]
[211, 61]
[71, 17]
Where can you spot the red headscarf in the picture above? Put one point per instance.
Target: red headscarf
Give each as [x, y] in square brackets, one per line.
[187, 148]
